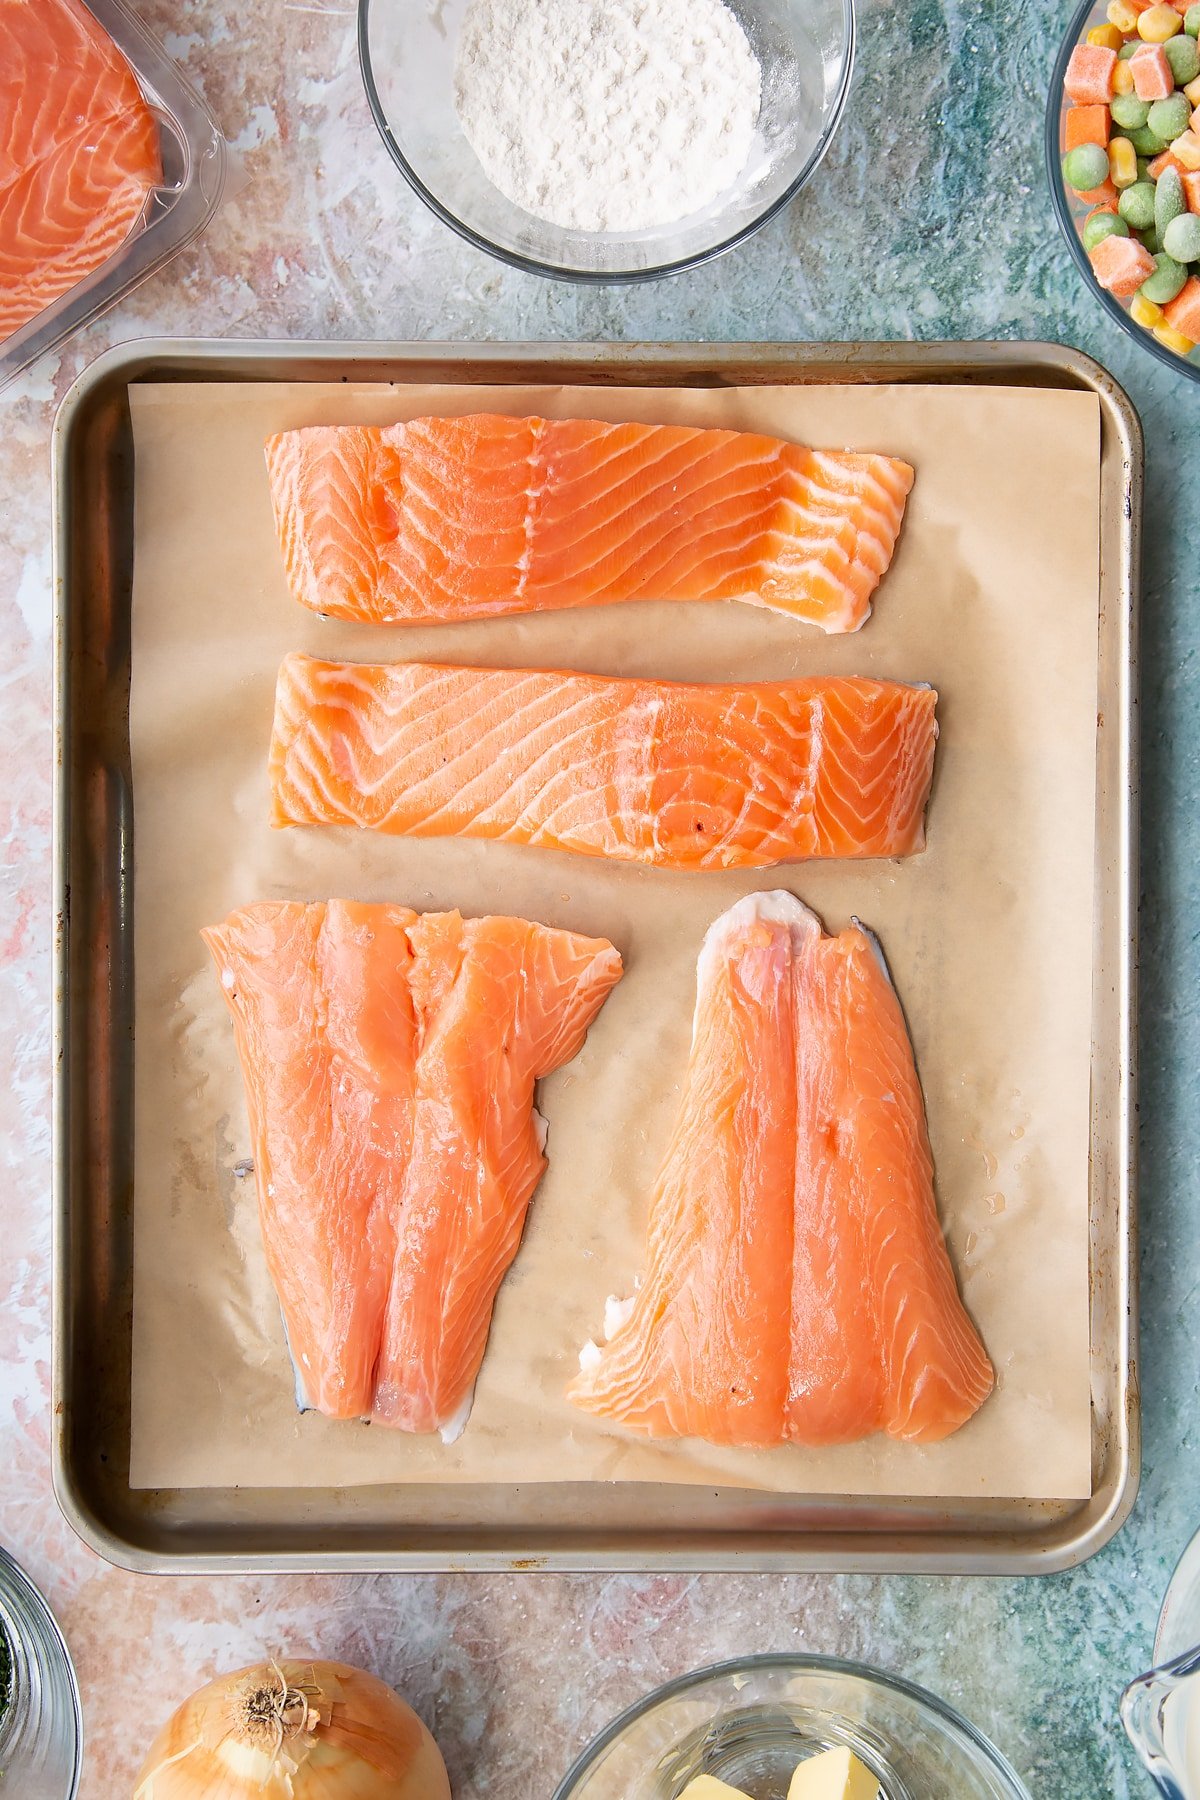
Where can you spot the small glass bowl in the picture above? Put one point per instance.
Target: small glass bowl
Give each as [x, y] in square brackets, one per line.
[1071, 212]
[750, 1722]
[41, 1729]
[406, 47]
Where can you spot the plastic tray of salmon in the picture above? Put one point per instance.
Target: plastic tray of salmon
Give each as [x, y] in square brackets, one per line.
[124, 195]
[522, 1520]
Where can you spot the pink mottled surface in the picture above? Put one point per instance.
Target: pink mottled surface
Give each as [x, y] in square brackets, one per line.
[321, 239]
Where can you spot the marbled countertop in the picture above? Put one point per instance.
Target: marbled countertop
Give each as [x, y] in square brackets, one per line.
[930, 219]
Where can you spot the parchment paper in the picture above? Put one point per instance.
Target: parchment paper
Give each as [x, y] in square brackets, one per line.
[993, 597]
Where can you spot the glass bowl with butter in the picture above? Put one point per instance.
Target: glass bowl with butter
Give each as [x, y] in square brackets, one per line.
[761, 1728]
[411, 54]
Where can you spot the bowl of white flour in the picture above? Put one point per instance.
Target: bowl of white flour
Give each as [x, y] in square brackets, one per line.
[606, 140]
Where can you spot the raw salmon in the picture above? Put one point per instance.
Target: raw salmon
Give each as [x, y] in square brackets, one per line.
[672, 774]
[79, 152]
[468, 518]
[389, 1062]
[798, 1286]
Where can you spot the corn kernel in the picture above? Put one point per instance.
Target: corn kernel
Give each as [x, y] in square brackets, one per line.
[1105, 37]
[1122, 15]
[1144, 312]
[1192, 90]
[1187, 150]
[1174, 340]
[1157, 24]
[1122, 163]
[1123, 79]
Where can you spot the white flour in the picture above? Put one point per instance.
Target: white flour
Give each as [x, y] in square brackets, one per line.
[607, 115]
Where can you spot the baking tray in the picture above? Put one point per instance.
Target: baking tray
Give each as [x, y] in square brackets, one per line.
[567, 1526]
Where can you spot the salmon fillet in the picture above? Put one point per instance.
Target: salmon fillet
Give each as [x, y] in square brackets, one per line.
[79, 152]
[447, 519]
[798, 1288]
[389, 1061]
[673, 774]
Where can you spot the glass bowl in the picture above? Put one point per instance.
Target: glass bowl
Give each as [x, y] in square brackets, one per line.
[41, 1728]
[750, 1722]
[1161, 1709]
[406, 47]
[1071, 212]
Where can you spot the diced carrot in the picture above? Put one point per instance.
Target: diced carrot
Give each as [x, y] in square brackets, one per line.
[1105, 195]
[1087, 125]
[1166, 160]
[1121, 264]
[1191, 189]
[1183, 312]
[1097, 210]
[1089, 75]
[1153, 77]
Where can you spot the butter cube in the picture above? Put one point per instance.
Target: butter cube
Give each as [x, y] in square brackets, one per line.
[707, 1787]
[833, 1775]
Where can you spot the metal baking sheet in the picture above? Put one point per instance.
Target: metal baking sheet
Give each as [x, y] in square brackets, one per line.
[564, 1526]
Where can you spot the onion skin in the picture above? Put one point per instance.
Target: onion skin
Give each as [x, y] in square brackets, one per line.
[361, 1742]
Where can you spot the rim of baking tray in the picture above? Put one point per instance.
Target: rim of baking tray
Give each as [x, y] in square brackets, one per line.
[532, 265]
[1055, 108]
[824, 1665]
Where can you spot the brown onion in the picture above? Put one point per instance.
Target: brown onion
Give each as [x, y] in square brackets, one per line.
[294, 1731]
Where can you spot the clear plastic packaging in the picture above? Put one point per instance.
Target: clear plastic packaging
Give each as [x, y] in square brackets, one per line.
[195, 164]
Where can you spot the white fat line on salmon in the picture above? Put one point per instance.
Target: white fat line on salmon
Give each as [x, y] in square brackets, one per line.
[617, 1314]
[451, 1429]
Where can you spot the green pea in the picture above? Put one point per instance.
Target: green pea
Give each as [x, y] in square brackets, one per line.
[1143, 169]
[1132, 48]
[1085, 167]
[1100, 226]
[1169, 118]
[1181, 239]
[1146, 142]
[1166, 281]
[1149, 241]
[1183, 54]
[1191, 22]
[1136, 205]
[1129, 112]
[1168, 199]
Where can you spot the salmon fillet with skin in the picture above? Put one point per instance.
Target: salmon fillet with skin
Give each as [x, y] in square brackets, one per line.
[798, 1287]
[672, 774]
[471, 518]
[79, 153]
[389, 1061]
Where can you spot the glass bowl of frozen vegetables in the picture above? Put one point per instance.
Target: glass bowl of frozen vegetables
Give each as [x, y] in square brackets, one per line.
[1123, 153]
